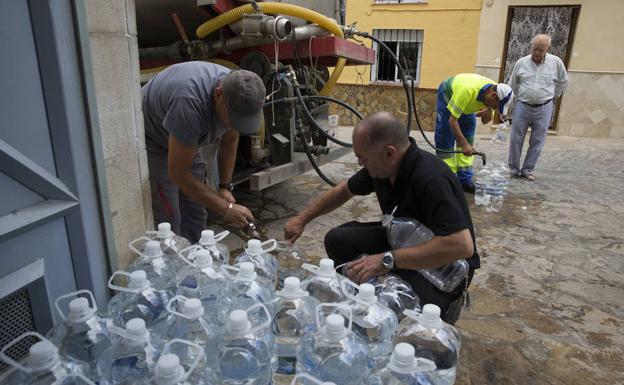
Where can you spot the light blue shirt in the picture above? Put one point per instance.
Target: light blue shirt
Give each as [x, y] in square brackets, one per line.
[538, 83]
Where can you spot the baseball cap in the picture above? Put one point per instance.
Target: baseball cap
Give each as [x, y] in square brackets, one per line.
[505, 98]
[244, 94]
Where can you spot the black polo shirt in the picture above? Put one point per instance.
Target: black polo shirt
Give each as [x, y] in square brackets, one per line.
[425, 189]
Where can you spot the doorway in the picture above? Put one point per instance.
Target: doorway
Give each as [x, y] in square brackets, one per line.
[524, 22]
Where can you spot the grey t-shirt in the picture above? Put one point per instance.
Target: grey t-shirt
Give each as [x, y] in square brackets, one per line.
[178, 101]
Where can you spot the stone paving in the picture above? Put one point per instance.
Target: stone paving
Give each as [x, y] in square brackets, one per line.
[548, 302]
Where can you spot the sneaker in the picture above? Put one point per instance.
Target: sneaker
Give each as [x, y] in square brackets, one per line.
[469, 188]
[528, 176]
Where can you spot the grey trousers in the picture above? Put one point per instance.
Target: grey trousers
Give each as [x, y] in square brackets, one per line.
[523, 117]
[169, 204]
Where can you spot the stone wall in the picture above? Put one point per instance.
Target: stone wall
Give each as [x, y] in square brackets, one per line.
[114, 51]
[368, 99]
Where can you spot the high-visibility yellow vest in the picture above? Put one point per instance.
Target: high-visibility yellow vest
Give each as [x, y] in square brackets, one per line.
[461, 93]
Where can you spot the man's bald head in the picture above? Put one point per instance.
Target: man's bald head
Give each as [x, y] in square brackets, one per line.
[539, 47]
[382, 128]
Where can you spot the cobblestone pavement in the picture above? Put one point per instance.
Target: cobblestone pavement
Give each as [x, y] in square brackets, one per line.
[548, 302]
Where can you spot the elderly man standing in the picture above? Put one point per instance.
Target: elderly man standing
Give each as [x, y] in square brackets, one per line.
[536, 80]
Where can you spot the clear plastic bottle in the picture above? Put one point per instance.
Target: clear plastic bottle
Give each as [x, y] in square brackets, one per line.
[156, 264]
[187, 321]
[373, 322]
[132, 356]
[290, 259]
[246, 288]
[293, 317]
[408, 232]
[43, 366]
[404, 369]
[246, 354]
[203, 280]
[170, 371]
[169, 243]
[481, 181]
[137, 300]
[83, 336]
[324, 284]
[258, 253]
[306, 379]
[396, 294]
[432, 339]
[219, 252]
[334, 353]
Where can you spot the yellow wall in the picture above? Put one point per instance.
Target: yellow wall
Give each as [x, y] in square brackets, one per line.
[598, 43]
[451, 32]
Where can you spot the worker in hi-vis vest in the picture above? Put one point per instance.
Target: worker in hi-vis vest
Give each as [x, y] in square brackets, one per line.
[461, 98]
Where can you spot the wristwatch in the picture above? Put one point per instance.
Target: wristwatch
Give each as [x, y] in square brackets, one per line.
[388, 260]
[227, 186]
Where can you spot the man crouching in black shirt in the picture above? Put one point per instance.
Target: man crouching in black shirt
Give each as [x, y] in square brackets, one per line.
[421, 186]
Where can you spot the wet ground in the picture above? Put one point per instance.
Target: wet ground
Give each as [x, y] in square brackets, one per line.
[548, 302]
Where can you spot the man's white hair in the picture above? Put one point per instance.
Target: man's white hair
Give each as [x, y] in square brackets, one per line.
[541, 36]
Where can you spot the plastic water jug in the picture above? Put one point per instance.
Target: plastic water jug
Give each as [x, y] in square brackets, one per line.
[294, 317]
[169, 369]
[246, 288]
[187, 321]
[43, 365]
[306, 379]
[396, 294]
[170, 243]
[324, 284]
[137, 300]
[404, 368]
[132, 356]
[203, 280]
[219, 252]
[158, 267]
[246, 353]
[258, 253]
[83, 336]
[373, 322]
[334, 353]
[290, 259]
[433, 339]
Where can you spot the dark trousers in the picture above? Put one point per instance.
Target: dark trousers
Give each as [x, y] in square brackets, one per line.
[352, 239]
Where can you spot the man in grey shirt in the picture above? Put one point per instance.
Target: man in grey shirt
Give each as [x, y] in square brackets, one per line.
[185, 106]
[536, 80]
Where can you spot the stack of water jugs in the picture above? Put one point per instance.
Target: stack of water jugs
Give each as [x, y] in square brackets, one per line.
[183, 315]
[492, 181]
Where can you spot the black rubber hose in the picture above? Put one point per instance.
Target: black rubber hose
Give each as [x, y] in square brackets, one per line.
[313, 121]
[306, 149]
[327, 98]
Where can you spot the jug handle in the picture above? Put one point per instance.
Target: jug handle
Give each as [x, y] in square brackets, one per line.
[264, 324]
[336, 305]
[170, 309]
[221, 236]
[121, 288]
[185, 252]
[73, 294]
[4, 357]
[198, 357]
[133, 242]
[273, 246]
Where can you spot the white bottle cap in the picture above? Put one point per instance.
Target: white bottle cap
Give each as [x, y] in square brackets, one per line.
[192, 308]
[292, 288]
[136, 327]
[164, 230]
[430, 316]
[168, 370]
[239, 323]
[334, 328]
[207, 238]
[254, 247]
[403, 356]
[138, 280]
[202, 258]
[42, 355]
[246, 272]
[152, 249]
[79, 310]
[367, 293]
[326, 268]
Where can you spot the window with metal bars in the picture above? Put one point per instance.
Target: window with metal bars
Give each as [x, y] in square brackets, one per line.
[406, 44]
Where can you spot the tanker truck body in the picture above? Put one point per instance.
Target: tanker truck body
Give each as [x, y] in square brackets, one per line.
[296, 46]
